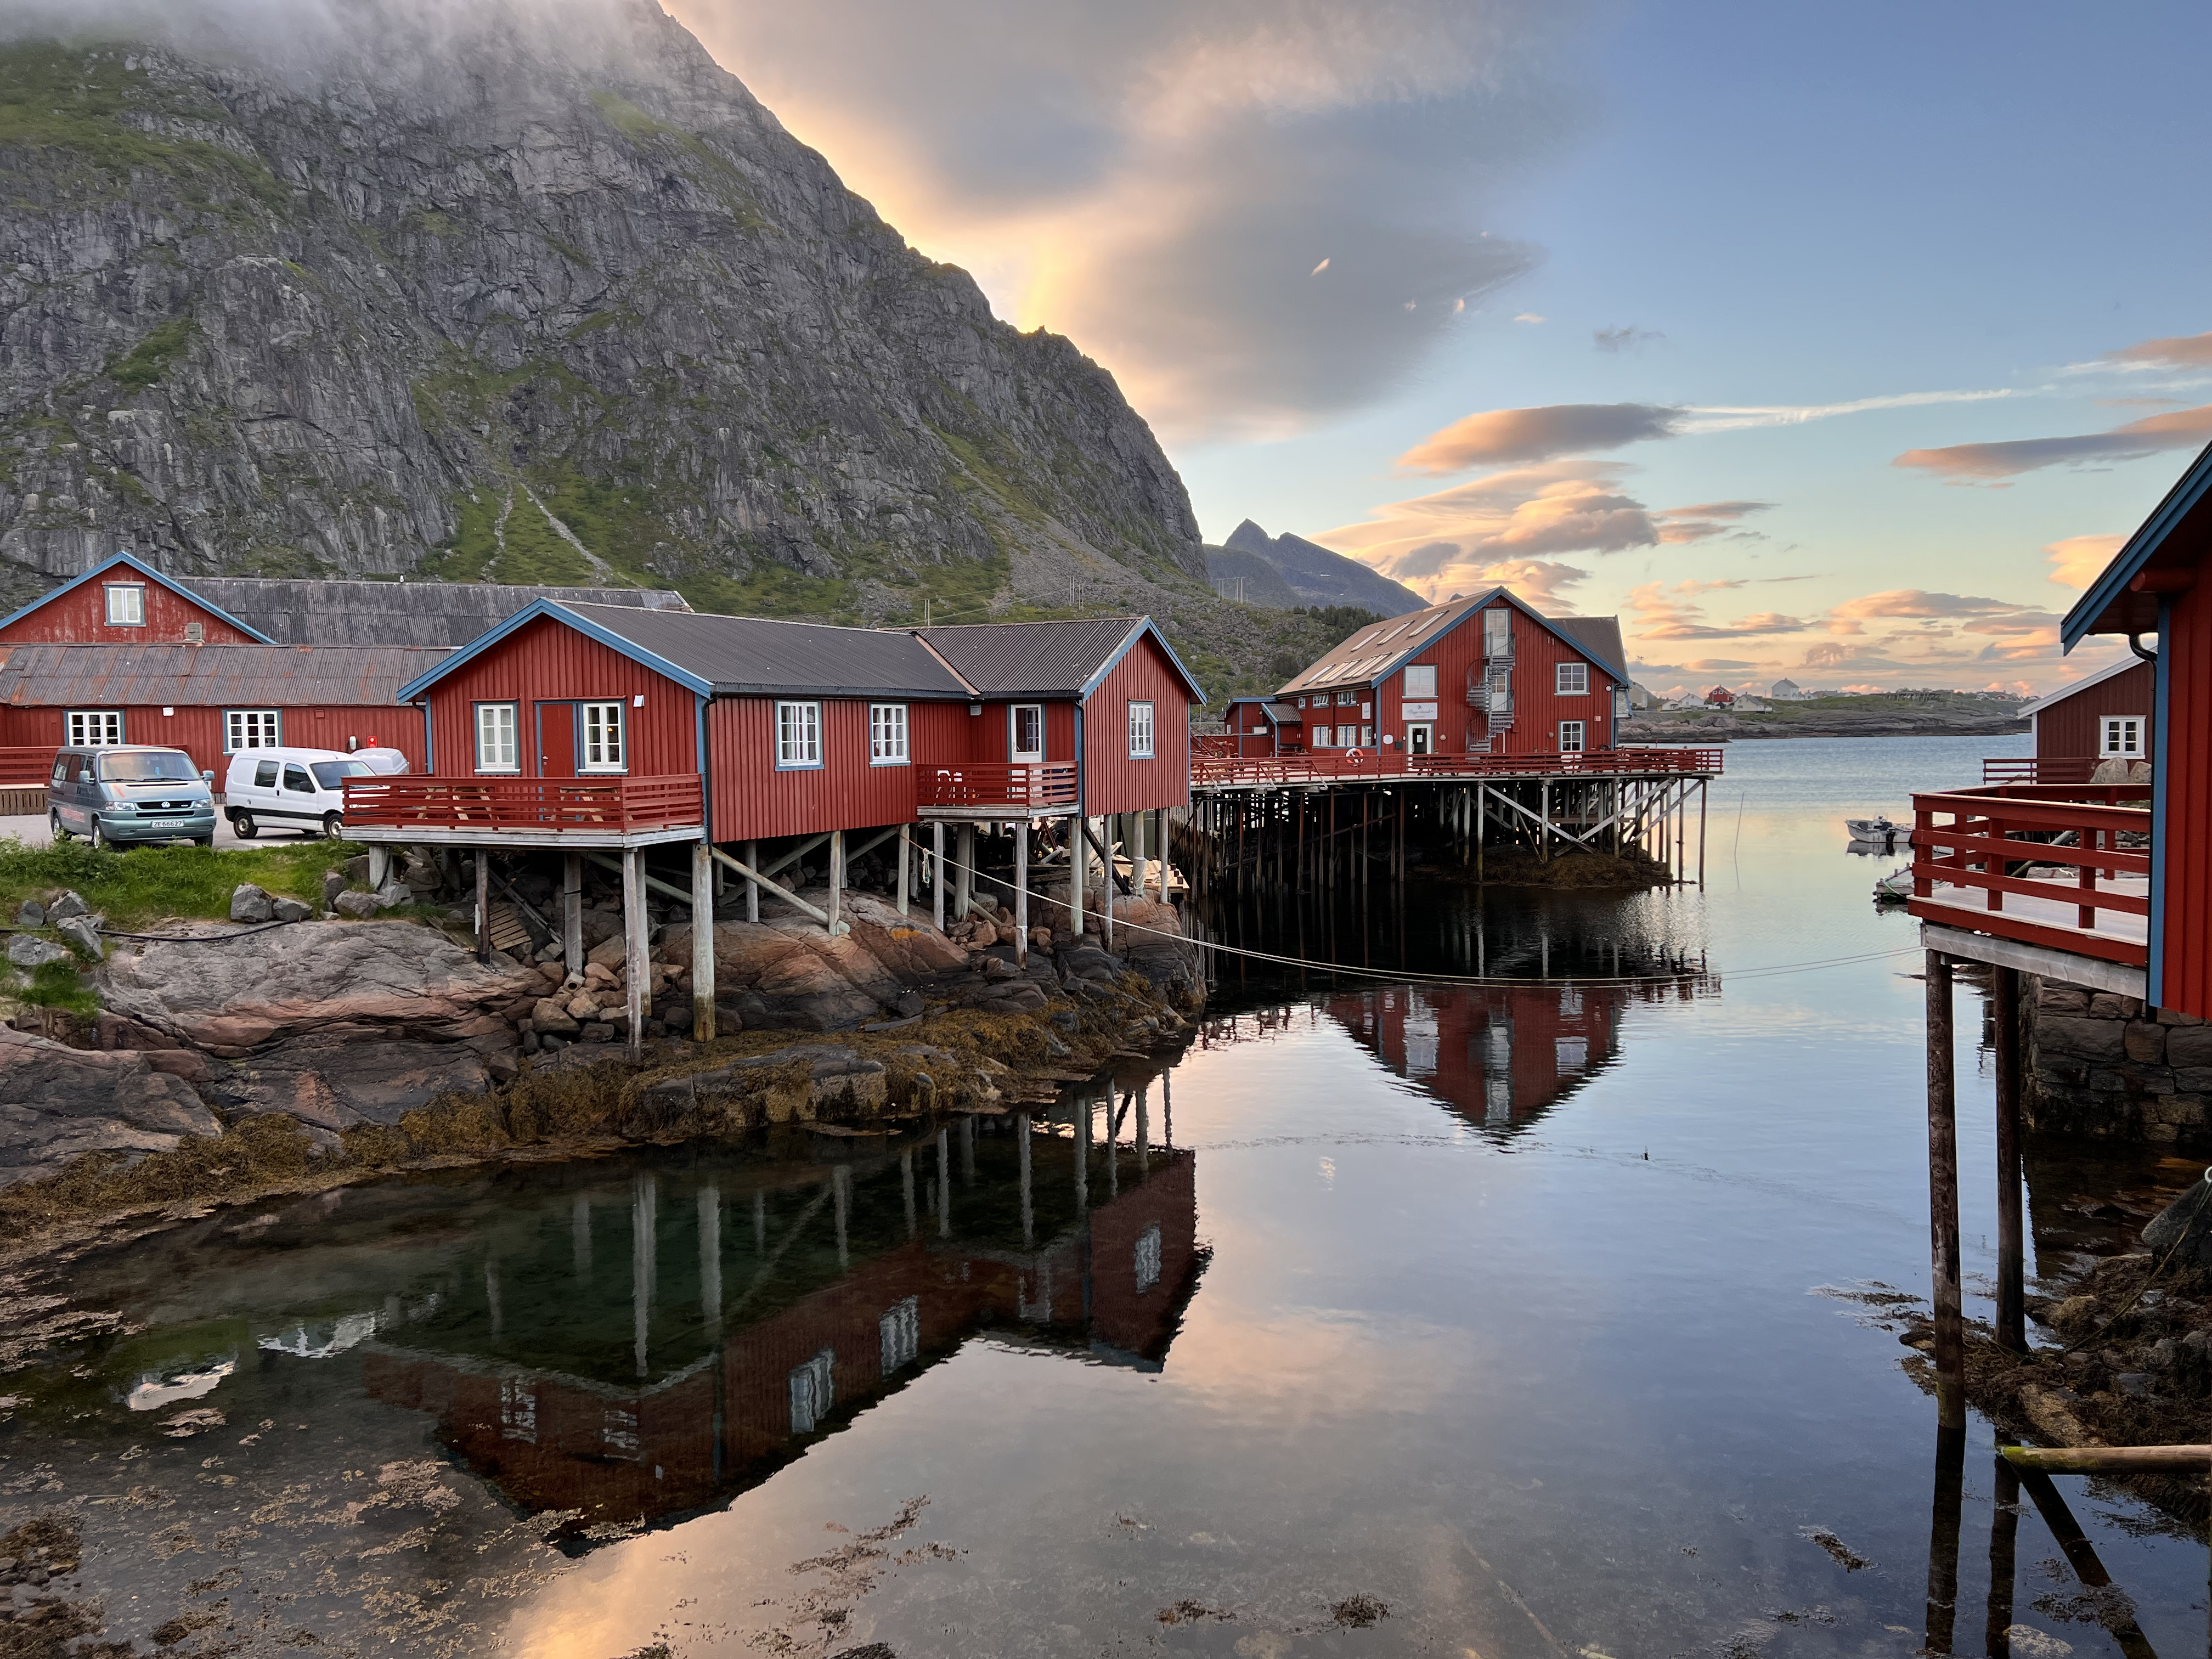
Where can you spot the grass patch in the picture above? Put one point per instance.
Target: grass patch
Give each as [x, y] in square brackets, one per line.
[149, 883]
[145, 362]
[709, 170]
[58, 985]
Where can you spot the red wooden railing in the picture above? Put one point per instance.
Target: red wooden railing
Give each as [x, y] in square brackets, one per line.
[25, 768]
[1032, 787]
[538, 804]
[1984, 840]
[2038, 768]
[1355, 765]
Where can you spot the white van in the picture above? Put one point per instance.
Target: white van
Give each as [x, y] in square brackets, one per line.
[301, 789]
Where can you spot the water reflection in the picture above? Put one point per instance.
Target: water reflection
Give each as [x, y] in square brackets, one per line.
[617, 1346]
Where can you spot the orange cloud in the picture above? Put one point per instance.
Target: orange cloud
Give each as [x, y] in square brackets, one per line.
[2080, 560]
[1500, 437]
[2173, 351]
[2181, 428]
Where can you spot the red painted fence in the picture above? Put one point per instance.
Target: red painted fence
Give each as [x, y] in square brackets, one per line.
[1985, 841]
[538, 804]
[1359, 765]
[1022, 788]
[2038, 768]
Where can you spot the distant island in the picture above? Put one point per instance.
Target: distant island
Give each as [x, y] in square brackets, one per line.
[1881, 714]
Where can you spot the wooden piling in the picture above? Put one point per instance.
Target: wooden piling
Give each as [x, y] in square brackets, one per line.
[1943, 1199]
[752, 887]
[1022, 894]
[2012, 1252]
[936, 874]
[484, 905]
[572, 912]
[637, 968]
[703, 941]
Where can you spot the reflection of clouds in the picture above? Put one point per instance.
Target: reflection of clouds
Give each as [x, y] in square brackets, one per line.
[151, 1394]
[1329, 1364]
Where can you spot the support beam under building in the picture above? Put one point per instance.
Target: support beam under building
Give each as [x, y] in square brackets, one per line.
[635, 961]
[1022, 893]
[936, 874]
[704, 872]
[572, 912]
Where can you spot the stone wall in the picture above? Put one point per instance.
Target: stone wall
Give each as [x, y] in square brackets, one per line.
[2094, 1063]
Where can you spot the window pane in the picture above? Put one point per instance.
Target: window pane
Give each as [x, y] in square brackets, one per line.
[495, 737]
[126, 605]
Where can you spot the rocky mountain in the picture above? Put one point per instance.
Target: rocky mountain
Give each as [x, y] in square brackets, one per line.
[483, 291]
[1313, 574]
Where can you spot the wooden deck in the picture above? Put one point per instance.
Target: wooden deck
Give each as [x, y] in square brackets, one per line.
[995, 791]
[1365, 766]
[598, 811]
[2062, 866]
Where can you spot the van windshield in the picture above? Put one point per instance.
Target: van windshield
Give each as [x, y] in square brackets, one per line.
[327, 773]
[155, 766]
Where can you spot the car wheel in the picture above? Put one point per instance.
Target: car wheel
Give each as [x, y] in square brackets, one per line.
[333, 827]
[97, 836]
[244, 825]
[54, 824]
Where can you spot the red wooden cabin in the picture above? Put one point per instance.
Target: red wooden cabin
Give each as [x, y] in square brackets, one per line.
[2109, 716]
[1263, 725]
[2107, 886]
[124, 602]
[1483, 676]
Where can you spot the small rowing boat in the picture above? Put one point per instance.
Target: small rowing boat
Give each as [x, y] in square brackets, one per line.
[1880, 830]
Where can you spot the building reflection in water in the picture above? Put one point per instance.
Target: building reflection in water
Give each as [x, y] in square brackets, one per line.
[765, 1306]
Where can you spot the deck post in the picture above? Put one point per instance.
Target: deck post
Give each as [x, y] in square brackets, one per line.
[1943, 1201]
[704, 872]
[937, 873]
[963, 888]
[2012, 1307]
[1078, 865]
[1140, 869]
[836, 877]
[1544, 823]
[379, 868]
[484, 905]
[905, 868]
[1022, 894]
[752, 887]
[1106, 884]
[634, 961]
[572, 912]
[1482, 825]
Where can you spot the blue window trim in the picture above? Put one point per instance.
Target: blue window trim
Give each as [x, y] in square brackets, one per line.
[126, 561]
[107, 619]
[576, 715]
[777, 705]
[476, 738]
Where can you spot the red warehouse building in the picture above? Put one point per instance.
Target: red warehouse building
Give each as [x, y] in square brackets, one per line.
[1484, 675]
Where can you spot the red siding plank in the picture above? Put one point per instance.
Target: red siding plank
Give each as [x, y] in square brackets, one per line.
[2183, 832]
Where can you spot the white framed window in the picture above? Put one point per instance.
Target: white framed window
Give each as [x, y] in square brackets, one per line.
[1421, 681]
[1366, 737]
[1347, 699]
[250, 728]
[887, 734]
[1147, 1263]
[1571, 680]
[94, 728]
[126, 605]
[1140, 731]
[798, 735]
[1570, 737]
[900, 1333]
[1570, 1053]
[2121, 738]
[813, 1391]
[1025, 731]
[599, 737]
[495, 746]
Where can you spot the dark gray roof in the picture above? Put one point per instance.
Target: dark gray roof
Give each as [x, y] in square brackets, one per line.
[1600, 639]
[1033, 659]
[449, 614]
[226, 676]
[759, 656]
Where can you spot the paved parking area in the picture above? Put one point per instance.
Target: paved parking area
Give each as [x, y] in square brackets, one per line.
[32, 832]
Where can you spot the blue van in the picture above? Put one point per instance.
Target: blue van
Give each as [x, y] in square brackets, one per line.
[127, 794]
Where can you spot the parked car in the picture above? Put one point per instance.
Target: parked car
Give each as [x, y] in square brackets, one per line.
[128, 795]
[302, 789]
[386, 762]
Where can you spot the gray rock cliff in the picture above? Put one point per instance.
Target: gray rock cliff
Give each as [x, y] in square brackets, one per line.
[538, 304]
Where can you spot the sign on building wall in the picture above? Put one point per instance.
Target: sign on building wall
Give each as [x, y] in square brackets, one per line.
[1420, 711]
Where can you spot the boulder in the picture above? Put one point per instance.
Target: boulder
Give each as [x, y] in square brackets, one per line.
[57, 1102]
[69, 904]
[552, 1015]
[81, 937]
[290, 909]
[334, 883]
[393, 894]
[26, 952]
[607, 953]
[251, 903]
[356, 870]
[798, 974]
[30, 913]
[333, 1024]
[2185, 1226]
[359, 906]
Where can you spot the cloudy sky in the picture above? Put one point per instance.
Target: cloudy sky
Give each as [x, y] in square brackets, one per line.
[1842, 343]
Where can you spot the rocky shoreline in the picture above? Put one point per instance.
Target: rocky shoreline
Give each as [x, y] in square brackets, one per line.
[228, 1062]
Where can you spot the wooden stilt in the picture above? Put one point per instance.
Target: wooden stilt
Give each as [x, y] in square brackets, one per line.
[2012, 1310]
[752, 887]
[936, 874]
[1022, 894]
[836, 875]
[1140, 868]
[963, 887]
[484, 905]
[905, 870]
[1701, 835]
[1943, 1201]
[703, 942]
[636, 965]
[1078, 866]
[572, 912]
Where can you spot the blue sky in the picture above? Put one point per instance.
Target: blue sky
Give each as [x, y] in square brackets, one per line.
[1775, 209]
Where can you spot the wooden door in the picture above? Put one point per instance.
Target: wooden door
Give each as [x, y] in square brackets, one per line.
[557, 739]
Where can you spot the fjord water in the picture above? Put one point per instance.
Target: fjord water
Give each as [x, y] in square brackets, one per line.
[1542, 1318]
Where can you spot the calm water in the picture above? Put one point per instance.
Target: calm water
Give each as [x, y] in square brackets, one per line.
[1547, 1316]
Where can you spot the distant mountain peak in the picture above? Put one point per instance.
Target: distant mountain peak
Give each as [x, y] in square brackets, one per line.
[1249, 538]
[1313, 573]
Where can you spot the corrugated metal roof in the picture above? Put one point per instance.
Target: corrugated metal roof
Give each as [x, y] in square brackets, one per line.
[1033, 659]
[1600, 639]
[228, 676]
[1361, 658]
[759, 656]
[446, 614]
